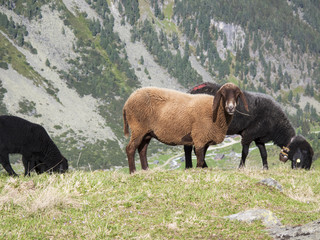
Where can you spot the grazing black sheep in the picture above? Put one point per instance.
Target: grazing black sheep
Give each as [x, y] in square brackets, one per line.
[32, 142]
[265, 122]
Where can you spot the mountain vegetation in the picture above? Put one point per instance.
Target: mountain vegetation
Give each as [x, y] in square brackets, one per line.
[256, 60]
[271, 47]
[70, 66]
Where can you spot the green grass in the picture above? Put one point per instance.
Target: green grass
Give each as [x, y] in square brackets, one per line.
[12, 56]
[153, 204]
[168, 10]
[234, 80]
[165, 24]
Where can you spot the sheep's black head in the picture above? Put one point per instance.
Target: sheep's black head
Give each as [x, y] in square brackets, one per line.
[299, 151]
[230, 94]
[58, 167]
[62, 167]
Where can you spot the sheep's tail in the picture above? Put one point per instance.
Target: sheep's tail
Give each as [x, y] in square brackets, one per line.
[125, 124]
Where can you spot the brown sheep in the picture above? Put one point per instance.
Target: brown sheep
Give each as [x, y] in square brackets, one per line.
[177, 118]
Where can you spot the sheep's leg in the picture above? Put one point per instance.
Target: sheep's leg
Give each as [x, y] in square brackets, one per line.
[245, 151]
[200, 153]
[130, 150]
[26, 165]
[4, 160]
[27, 169]
[293, 165]
[142, 149]
[204, 161]
[187, 156]
[263, 153]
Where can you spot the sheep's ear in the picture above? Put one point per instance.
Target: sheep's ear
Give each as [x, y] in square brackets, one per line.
[244, 100]
[216, 103]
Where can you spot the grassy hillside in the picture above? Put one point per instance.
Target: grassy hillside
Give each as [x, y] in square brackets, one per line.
[154, 204]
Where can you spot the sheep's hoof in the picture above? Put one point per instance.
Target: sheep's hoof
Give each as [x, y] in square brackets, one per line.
[204, 165]
[241, 166]
[199, 165]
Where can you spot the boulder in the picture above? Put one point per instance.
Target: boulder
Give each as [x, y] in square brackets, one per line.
[266, 216]
[272, 183]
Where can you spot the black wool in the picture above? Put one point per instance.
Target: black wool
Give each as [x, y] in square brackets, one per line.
[31, 140]
[265, 122]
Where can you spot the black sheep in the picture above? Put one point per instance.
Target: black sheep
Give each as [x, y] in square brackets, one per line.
[32, 142]
[301, 157]
[266, 122]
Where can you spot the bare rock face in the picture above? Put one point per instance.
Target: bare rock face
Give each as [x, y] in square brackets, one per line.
[310, 231]
[272, 183]
[266, 216]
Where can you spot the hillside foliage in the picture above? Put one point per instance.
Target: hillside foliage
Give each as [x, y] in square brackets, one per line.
[270, 28]
[266, 46]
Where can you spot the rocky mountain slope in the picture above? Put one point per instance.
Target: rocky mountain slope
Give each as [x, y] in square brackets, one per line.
[71, 111]
[68, 115]
[45, 84]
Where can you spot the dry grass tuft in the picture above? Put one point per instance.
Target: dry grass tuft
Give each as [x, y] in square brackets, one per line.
[301, 191]
[49, 198]
[39, 196]
[16, 193]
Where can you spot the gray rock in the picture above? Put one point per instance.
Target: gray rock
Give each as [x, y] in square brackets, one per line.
[272, 183]
[266, 216]
[309, 231]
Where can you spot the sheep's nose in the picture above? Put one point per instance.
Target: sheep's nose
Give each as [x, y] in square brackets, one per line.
[231, 108]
